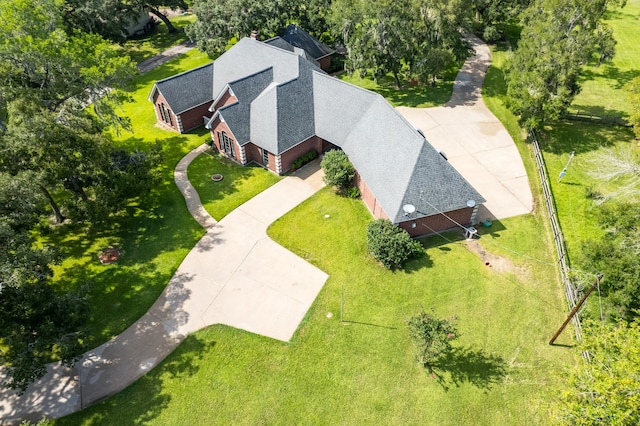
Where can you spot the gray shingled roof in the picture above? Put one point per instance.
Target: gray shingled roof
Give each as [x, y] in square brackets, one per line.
[281, 43]
[250, 56]
[186, 90]
[282, 116]
[237, 115]
[283, 99]
[298, 37]
[399, 166]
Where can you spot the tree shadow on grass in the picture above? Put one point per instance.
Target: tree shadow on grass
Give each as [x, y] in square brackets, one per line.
[563, 137]
[617, 77]
[466, 365]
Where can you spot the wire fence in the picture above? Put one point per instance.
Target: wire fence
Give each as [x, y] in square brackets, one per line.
[570, 290]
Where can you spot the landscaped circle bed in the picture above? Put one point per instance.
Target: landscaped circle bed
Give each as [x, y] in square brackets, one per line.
[217, 177]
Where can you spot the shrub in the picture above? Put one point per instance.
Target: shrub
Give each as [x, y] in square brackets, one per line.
[303, 159]
[338, 170]
[432, 336]
[391, 245]
[353, 192]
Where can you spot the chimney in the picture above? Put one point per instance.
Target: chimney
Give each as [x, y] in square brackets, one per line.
[254, 35]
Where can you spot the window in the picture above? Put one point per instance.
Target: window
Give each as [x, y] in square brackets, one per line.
[165, 114]
[226, 144]
[265, 157]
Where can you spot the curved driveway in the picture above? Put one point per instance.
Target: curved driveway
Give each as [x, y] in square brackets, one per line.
[236, 275]
[475, 141]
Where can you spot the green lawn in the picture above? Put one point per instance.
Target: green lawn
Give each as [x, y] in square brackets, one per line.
[155, 233]
[240, 184]
[602, 92]
[159, 39]
[363, 371]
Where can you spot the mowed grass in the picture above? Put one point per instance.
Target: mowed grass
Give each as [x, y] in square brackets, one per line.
[154, 233]
[602, 87]
[240, 184]
[363, 371]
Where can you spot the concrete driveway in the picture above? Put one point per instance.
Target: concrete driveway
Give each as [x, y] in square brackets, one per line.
[476, 143]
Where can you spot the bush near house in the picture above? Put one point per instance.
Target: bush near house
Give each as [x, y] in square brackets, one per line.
[391, 245]
[338, 170]
[303, 159]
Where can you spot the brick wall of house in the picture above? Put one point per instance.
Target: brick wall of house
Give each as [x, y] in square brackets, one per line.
[226, 99]
[254, 153]
[217, 127]
[325, 63]
[370, 201]
[314, 143]
[158, 101]
[437, 222]
[192, 118]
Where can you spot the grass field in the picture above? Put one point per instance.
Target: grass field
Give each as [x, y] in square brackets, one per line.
[602, 87]
[362, 371]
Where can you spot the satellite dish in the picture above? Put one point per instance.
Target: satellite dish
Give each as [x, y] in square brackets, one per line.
[408, 209]
[471, 203]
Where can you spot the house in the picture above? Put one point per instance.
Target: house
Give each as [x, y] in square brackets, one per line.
[269, 105]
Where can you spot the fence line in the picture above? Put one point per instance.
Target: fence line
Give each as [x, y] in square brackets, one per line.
[570, 291]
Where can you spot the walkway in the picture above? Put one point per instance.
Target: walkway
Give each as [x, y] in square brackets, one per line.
[235, 275]
[476, 143]
[151, 63]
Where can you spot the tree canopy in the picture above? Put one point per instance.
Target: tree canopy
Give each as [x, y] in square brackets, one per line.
[617, 255]
[59, 92]
[384, 36]
[558, 38]
[603, 390]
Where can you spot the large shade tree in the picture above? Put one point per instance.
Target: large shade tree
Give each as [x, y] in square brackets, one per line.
[220, 21]
[59, 93]
[36, 323]
[558, 38]
[384, 36]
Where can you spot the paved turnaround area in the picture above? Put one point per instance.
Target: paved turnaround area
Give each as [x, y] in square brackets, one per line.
[236, 275]
[475, 141]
